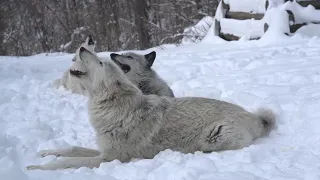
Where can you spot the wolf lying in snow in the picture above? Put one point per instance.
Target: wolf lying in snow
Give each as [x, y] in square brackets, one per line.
[129, 124]
[136, 67]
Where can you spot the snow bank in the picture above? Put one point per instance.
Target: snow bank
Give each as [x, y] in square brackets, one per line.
[303, 14]
[309, 30]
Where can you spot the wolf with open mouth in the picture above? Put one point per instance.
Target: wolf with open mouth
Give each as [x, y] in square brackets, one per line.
[138, 69]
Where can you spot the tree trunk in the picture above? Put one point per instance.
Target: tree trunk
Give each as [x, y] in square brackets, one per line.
[141, 22]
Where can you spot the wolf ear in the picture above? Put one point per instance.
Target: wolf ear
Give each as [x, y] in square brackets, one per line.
[150, 58]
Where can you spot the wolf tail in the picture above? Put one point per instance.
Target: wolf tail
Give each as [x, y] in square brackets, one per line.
[268, 119]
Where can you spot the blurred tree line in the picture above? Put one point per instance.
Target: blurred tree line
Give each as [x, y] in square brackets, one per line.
[34, 26]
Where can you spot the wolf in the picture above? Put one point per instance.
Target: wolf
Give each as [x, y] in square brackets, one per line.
[130, 124]
[68, 81]
[136, 67]
[138, 70]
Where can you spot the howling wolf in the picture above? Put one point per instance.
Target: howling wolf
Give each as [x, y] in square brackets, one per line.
[68, 81]
[130, 124]
[136, 67]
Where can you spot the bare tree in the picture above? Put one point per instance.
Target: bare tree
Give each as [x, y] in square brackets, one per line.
[141, 22]
[35, 26]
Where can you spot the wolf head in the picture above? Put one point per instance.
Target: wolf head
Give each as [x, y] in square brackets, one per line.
[89, 44]
[131, 63]
[95, 75]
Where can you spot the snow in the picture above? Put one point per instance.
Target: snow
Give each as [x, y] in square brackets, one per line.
[278, 22]
[275, 3]
[309, 30]
[220, 12]
[284, 76]
[197, 32]
[275, 16]
[303, 14]
[245, 28]
[253, 6]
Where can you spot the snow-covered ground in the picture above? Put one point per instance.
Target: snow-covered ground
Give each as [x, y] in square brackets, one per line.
[284, 76]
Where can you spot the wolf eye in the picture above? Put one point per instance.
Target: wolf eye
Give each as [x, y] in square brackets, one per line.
[130, 57]
[101, 63]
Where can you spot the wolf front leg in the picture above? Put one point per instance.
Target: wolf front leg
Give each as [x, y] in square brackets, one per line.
[74, 151]
[73, 162]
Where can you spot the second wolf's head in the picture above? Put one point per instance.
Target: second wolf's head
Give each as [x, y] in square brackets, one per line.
[96, 75]
[132, 63]
[138, 70]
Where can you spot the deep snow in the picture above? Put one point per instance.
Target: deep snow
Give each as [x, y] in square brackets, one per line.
[284, 76]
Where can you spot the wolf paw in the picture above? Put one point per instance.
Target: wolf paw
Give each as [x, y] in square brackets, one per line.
[45, 153]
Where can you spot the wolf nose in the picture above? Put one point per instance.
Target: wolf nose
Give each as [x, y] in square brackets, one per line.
[113, 56]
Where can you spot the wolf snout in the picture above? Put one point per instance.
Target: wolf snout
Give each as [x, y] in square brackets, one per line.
[90, 42]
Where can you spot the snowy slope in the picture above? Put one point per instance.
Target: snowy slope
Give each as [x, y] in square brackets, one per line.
[283, 76]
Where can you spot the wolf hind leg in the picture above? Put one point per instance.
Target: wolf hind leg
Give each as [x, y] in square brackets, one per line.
[73, 151]
[226, 137]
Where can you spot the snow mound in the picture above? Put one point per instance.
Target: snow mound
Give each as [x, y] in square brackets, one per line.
[310, 30]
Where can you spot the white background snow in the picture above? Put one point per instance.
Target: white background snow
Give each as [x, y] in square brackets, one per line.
[276, 17]
[284, 76]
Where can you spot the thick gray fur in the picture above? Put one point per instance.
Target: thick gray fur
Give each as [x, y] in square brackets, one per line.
[141, 73]
[129, 124]
[145, 78]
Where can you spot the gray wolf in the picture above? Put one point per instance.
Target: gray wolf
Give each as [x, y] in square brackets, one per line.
[130, 124]
[138, 70]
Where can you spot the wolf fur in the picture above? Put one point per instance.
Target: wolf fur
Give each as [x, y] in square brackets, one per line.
[68, 81]
[129, 124]
[138, 71]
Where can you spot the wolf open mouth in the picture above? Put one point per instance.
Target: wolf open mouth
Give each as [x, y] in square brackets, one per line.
[77, 73]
